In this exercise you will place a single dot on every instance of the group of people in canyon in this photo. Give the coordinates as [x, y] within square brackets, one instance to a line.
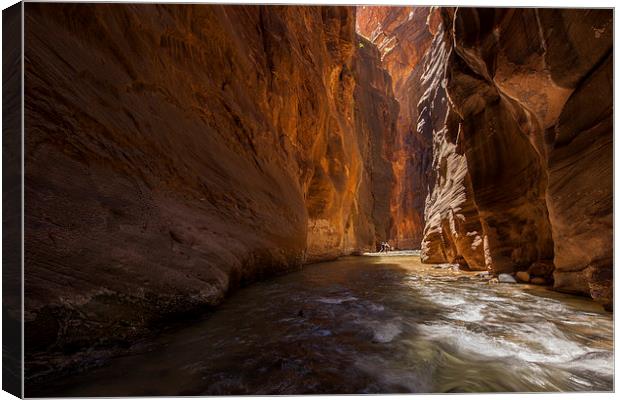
[385, 247]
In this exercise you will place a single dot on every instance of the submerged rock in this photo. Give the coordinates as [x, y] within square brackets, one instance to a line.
[170, 162]
[447, 266]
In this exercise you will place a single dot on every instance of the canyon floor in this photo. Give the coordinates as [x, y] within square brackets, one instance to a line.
[370, 324]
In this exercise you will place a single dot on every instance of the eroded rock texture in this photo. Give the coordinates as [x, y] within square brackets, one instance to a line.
[176, 151]
[376, 112]
[401, 35]
[452, 232]
[519, 102]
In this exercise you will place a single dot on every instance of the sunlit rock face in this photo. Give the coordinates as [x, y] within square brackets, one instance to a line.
[402, 37]
[452, 232]
[376, 112]
[519, 102]
[175, 152]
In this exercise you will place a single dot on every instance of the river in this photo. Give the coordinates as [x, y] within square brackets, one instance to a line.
[371, 325]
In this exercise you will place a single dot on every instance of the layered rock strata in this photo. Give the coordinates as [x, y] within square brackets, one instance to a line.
[176, 152]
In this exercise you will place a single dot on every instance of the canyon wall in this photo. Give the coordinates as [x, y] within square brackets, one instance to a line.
[174, 152]
[519, 105]
[452, 232]
[402, 38]
[376, 112]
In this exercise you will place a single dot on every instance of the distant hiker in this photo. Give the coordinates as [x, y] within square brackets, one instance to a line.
[387, 247]
[382, 247]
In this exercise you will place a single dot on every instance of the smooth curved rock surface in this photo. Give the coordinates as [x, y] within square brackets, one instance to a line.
[178, 151]
[522, 141]
[175, 152]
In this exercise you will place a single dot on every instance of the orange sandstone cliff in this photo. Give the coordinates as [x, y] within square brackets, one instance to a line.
[517, 106]
[175, 152]
[505, 128]
[530, 91]
[401, 35]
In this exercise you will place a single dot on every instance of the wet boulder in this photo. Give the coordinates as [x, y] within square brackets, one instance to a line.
[506, 278]
[523, 276]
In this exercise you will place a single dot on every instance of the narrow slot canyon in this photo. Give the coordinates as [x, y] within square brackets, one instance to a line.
[208, 188]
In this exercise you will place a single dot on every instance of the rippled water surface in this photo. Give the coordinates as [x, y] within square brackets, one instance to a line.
[372, 325]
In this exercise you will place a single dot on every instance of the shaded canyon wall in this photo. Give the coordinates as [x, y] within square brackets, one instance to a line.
[517, 105]
[175, 152]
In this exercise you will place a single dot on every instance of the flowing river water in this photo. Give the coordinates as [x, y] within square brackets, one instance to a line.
[372, 325]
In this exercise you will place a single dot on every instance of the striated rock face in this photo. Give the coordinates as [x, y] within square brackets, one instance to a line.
[376, 112]
[402, 37]
[175, 152]
[519, 102]
[453, 232]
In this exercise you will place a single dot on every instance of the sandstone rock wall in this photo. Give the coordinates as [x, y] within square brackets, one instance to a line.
[580, 169]
[401, 35]
[519, 103]
[452, 232]
[175, 152]
[376, 112]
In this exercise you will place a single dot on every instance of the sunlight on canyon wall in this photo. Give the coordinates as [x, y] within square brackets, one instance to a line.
[176, 152]
[400, 34]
